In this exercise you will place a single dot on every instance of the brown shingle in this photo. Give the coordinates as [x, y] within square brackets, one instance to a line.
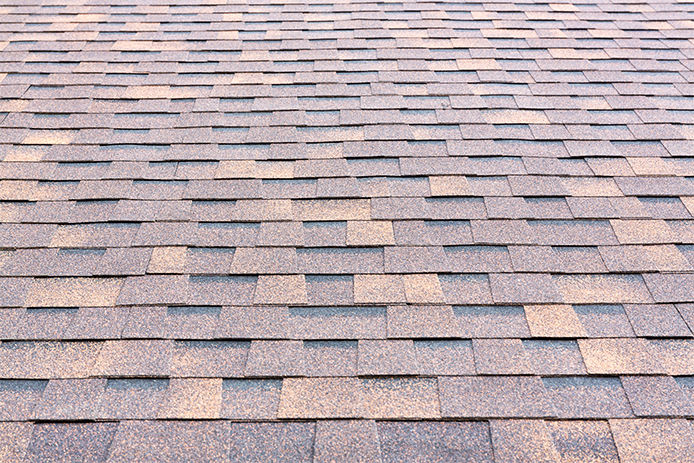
[264, 260]
[580, 441]
[209, 358]
[43, 360]
[369, 233]
[493, 396]
[422, 289]
[553, 321]
[523, 288]
[619, 356]
[192, 398]
[134, 358]
[500, 357]
[14, 440]
[654, 440]
[321, 397]
[71, 292]
[167, 440]
[587, 397]
[250, 399]
[401, 398]
[348, 441]
[656, 396]
[522, 440]
[332, 209]
[370, 289]
[280, 289]
[421, 321]
[387, 358]
[608, 289]
[220, 224]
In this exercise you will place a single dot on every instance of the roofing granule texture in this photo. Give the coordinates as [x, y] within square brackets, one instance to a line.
[292, 231]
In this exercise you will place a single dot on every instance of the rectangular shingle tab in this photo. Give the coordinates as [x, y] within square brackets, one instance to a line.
[493, 396]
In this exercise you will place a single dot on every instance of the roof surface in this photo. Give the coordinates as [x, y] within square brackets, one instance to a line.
[346, 231]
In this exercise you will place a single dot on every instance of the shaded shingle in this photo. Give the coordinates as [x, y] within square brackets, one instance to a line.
[444, 357]
[258, 442]
[348, 441]
[493, 396]
[167, 440]
[578, 441]
[71, 399]
[71, 441]
[522, 440]
[132, 398]
[465, 441]
[656, 396]
[587, 397]
[20, 398]
[250, 398]
[491, 321]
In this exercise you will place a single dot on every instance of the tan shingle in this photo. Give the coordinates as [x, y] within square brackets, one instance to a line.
[72, 292]
[375, 289]
[280, 289]
[193, 398]
[553, 321]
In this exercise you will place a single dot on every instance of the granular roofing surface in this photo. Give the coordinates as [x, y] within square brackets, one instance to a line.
[293, 231]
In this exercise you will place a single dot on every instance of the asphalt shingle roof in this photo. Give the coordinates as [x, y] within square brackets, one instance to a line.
[368, 231]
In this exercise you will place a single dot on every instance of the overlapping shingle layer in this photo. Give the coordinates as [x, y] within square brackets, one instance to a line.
[346, 231]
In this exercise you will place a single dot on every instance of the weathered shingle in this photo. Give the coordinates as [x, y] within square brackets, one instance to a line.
[286, 231]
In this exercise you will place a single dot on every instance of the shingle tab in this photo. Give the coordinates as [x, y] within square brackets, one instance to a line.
[348, 441]
[587, 397]
[167, 440]
[655, 440]
[578, 441]
[619, 356]
[464, 441]
[257, 442]
[493, 396]
[71, 441]
[656, 396]
[522, 440]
